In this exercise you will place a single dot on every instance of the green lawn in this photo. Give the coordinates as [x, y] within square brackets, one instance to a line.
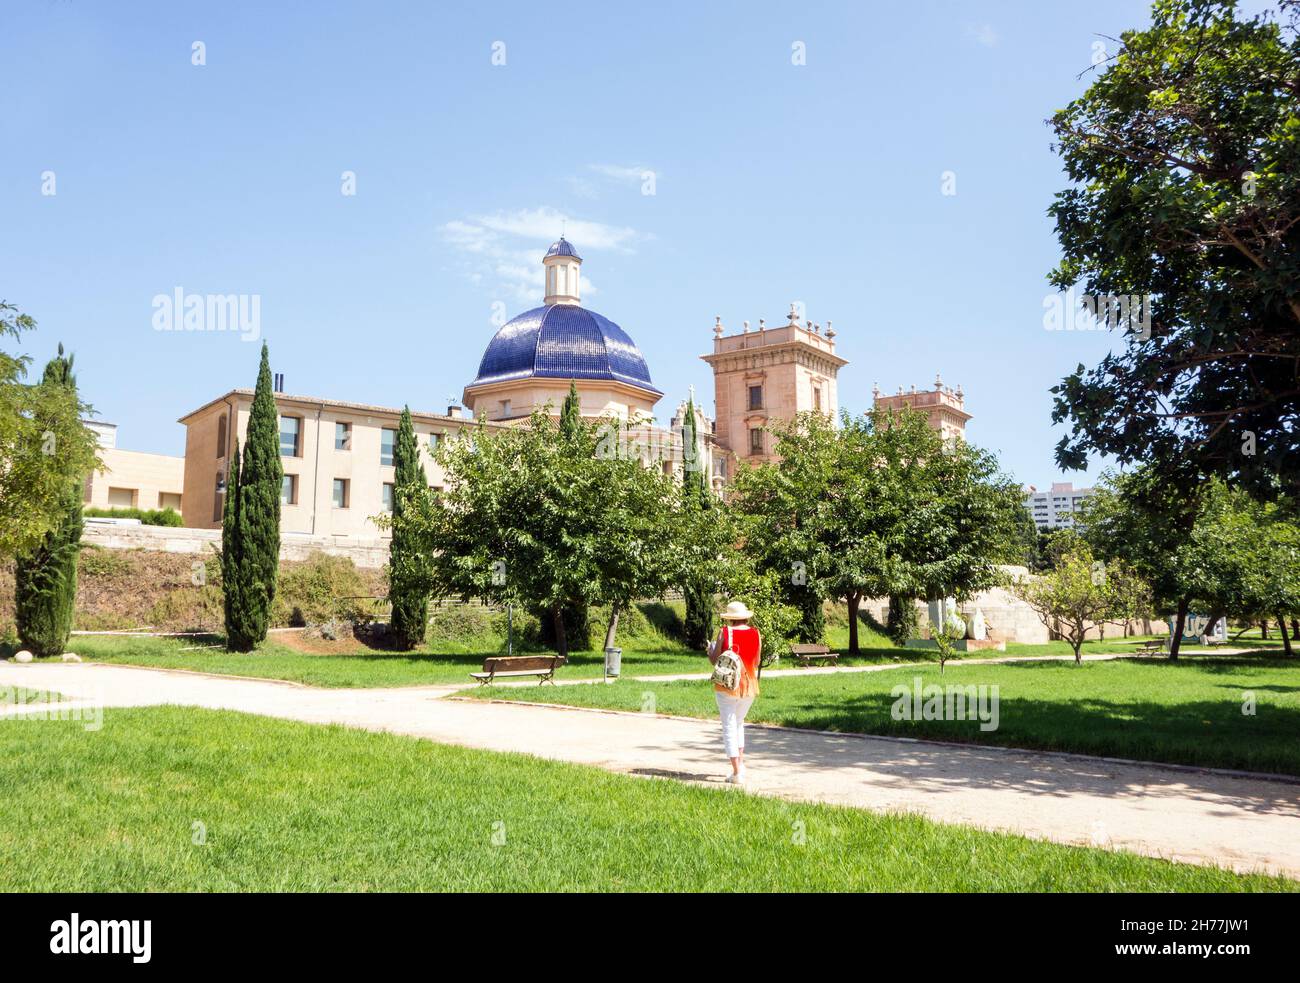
[173, 799]
[1187, 712]
[443, 662]
[369, 669]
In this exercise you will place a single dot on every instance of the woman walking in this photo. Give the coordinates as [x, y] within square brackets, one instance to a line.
[734, 655]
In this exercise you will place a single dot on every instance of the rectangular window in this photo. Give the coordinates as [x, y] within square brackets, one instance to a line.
[720, 467]
[289, 490]
[343, 436]
[755, 397]
[290, 436]
[121, 498]
[218, 497]
[434, 440]
[756, 441]
[340, 493]
[505, 409]
[387, 438]
[169, 500]
[387, 496]
[817, 398]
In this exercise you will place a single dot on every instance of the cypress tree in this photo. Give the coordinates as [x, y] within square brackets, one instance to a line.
[233, 582]
[696, 494]
[571, 415]
[407, 590]
[258, 525]
[45, 580]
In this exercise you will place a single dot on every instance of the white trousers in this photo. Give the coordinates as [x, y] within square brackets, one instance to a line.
[732, 709]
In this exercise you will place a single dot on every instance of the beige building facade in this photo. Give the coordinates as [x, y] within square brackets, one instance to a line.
[767, 376]
[132, 479]
[337, 458]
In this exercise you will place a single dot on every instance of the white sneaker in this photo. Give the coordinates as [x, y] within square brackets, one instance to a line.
[737, 778]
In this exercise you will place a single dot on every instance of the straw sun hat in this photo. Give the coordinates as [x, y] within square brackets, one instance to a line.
[737, 611]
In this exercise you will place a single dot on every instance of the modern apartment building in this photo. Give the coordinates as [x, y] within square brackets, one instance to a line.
[1058, 508]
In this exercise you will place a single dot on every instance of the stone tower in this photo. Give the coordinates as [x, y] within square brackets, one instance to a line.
[767, 376]
[943, 406]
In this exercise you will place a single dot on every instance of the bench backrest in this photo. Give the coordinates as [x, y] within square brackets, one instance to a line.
[810, 650]
[510, 663]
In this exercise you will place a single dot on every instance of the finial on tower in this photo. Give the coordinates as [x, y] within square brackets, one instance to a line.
[938, 381]
[717, 326]
[830, 332]
[794, 313]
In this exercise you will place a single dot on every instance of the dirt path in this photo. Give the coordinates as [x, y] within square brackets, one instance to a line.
[1203, 817]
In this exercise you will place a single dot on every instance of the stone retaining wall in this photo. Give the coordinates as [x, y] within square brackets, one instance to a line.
[372, 553]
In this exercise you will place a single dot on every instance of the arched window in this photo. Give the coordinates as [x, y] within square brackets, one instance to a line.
[221, 437]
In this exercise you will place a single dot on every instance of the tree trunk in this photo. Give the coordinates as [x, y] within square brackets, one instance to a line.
[1295, 628]
[854, 601]
[561, 643]
[1101, 631]
[1078, 647]
[1175, 639]
[1286, 638]
[1263, 629]
[612, 631]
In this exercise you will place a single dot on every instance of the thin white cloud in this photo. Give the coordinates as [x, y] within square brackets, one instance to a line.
[505, 249]
[984, 34]
[598, 176]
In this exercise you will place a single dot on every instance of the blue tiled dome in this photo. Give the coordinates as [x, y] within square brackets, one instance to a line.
[563, 248]
[563, 341]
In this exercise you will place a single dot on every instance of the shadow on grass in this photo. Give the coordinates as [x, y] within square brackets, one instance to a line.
[1206, 733]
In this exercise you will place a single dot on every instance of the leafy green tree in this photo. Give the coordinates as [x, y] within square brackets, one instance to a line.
[45, 580]
[256, 535]
[787, 521]
[1147, 521]
[408, 586]
[1073, 596]
[880, 505]
[43, 444]
[1185, 191]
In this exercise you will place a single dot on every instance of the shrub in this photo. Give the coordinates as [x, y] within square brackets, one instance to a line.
[319, 589]
[666, 617]
[148, 517]
[96, 561]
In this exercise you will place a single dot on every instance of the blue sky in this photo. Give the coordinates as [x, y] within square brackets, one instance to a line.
[774, 182]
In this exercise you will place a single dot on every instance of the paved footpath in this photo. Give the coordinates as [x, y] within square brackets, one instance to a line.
[1246, 823]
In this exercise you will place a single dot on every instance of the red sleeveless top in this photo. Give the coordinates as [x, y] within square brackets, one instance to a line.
[746, 643]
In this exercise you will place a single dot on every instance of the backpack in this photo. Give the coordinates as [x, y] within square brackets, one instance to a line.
[728, 668]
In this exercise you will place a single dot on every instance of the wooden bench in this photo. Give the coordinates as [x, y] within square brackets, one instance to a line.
[515, 666]
[805, 655]
[1151, 646]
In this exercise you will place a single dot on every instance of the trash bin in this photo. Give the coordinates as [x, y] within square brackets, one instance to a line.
[613, 661]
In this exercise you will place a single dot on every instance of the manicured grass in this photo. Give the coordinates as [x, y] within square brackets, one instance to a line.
[1187, 712]
[442, 663]
[369, 669]
[21, 696]
[167, 798]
